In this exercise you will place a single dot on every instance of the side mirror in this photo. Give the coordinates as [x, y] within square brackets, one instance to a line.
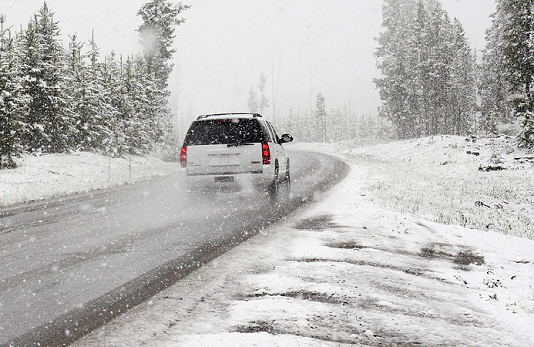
[286, 138]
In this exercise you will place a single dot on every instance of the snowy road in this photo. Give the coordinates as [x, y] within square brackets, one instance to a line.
[72, 264]
[347, 272]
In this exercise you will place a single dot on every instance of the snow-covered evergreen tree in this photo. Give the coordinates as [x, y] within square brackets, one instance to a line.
[290, 121]
[91, 124]
[335, 120]
[518, 57]
[111, 93]
[157, 114]
[102, 111]
[13, 103]
[79, 91]
[320, 118]
[393, 62]
[42, 69]
[252, 100]
[427, 84]
[157, 33]
[263, 102]
[461, 96]
[139, 127]
[160, 17]
[493, 86]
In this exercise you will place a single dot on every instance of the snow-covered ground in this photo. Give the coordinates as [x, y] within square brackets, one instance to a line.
[47, 176]
[485, 184]
[367, 263]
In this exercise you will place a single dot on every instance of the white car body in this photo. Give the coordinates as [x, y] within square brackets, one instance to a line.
[240, 150]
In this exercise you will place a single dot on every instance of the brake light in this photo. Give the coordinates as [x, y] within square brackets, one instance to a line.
[183, 156]
[265, 153]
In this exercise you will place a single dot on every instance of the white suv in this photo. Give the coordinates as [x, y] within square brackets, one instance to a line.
[237, 150]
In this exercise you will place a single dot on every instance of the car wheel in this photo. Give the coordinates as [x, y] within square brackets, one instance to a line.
[274, 187]
[287, 178]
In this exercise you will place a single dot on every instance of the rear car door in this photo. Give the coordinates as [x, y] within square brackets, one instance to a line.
[277, 149]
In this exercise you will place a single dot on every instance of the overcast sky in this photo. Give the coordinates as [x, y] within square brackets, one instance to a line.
[309, 46]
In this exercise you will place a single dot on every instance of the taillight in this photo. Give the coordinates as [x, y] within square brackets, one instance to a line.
[265, 153]
[183, 156]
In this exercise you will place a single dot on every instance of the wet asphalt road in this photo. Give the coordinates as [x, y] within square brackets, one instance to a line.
[72, 264]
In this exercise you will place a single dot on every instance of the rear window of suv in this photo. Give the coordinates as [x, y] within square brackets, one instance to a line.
[224, 131]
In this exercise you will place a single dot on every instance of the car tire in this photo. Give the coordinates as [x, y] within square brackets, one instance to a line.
[274, 187]
[287, 177]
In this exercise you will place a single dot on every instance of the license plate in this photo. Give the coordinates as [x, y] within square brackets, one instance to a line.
[225, 179]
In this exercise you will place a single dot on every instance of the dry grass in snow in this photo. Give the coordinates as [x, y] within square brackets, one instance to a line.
[453, 180]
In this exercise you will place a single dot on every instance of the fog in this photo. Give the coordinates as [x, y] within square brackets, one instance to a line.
[303, 47]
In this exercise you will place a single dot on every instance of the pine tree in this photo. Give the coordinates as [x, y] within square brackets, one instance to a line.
[137, 111]
[493, 86]
[12, 101]
[290, 123]
[78, 91]
[160, 18]
[320, 114]
[252, 100]
[461, 99]
[157, 113]
[518, 53]
[439, 118]
[417, 75]
[103, 112]
[335, 128]
[427, 85]
[91, 126]
[112, 95]
[264, 102]
[42, 58]
[392, 60]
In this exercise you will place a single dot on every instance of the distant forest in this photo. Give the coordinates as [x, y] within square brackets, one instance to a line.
[55, 100]
[433, 83]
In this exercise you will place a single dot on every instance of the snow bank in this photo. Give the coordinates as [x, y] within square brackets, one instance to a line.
[46, 176]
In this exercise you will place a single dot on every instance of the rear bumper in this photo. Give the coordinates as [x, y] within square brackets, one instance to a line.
[227, 181]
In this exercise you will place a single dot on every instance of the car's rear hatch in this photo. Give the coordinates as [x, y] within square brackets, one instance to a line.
[224, 147]
[224, 159]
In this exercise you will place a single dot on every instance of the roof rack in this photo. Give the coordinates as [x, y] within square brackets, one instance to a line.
[204, 116]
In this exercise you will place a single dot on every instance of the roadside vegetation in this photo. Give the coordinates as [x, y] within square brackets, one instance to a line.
[485, 184]
[56, 99]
